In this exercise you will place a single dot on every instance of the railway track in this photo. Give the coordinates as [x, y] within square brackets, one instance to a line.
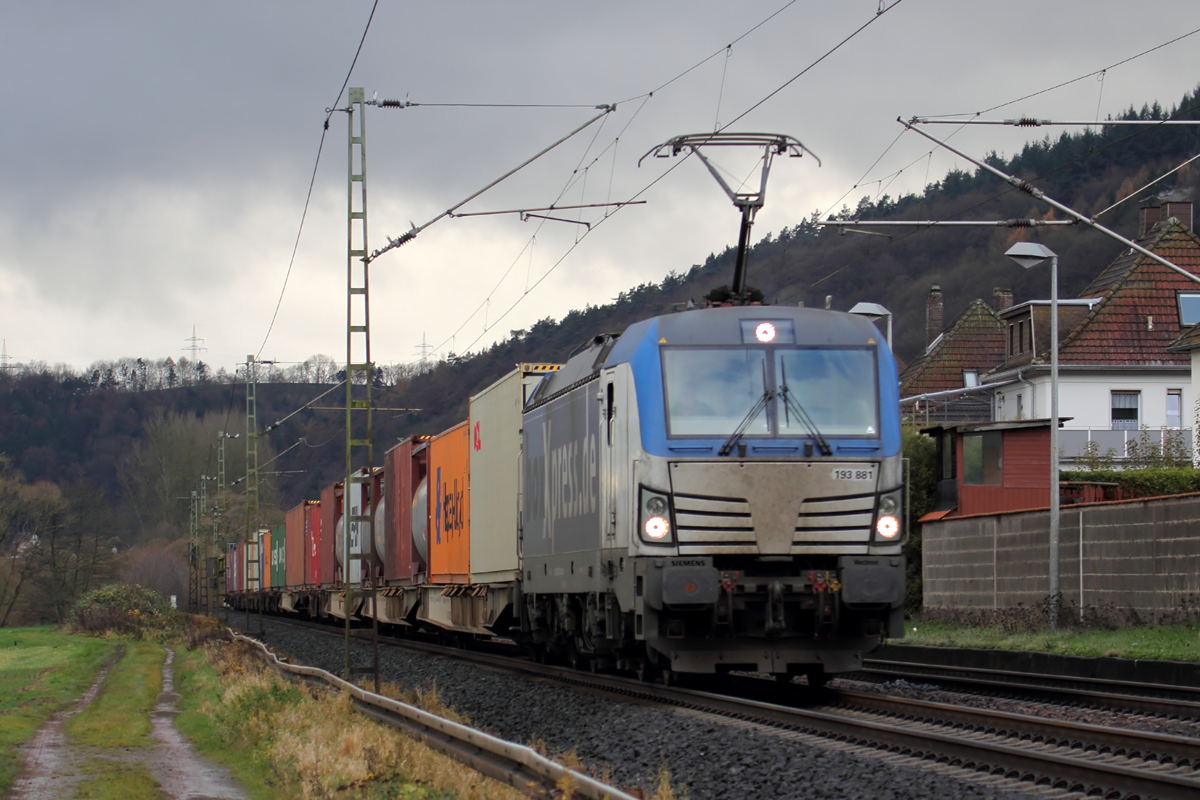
[1059, 757]
[1171, 702]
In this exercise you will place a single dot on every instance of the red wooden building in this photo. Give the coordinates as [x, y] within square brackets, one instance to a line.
[991, 467]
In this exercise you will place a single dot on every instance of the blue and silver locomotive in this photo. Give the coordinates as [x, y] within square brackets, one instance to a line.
[718, 489]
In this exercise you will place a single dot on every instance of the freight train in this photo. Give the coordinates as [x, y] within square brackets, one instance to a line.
[711, 490]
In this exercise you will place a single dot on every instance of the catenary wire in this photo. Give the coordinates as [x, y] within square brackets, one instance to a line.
[313, 178]
[976, 114]
[704, 61]
[674, 166]
[1073, 80]
[1006, 191]
[645, 97]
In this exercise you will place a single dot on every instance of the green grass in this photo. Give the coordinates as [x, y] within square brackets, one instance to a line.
[115, 781]
[1163, 642]
[41, 671]
[214, 735]
[120, 716]
[235, 717]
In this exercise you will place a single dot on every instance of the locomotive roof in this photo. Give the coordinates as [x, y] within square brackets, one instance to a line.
[718, 326]
[703, 326]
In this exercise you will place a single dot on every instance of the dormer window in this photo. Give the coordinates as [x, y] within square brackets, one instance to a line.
[1189, 308]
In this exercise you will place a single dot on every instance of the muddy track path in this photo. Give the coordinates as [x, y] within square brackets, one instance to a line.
[54, 766]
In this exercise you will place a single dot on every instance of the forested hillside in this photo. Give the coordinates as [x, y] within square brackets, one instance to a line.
[133, 437]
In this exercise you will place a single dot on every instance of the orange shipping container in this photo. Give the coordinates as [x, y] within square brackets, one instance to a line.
[264, 558]
[294, 535]
[450, 506]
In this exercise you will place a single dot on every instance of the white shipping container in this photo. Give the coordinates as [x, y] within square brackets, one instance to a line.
[495, 417]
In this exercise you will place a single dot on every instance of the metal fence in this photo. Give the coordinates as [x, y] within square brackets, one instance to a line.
[1073, 443]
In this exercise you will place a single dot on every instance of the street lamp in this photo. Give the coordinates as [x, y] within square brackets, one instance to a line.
[1028, 255]
[875, 312]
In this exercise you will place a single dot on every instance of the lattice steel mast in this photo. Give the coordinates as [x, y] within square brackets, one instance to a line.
[193, 555]
[253, 541]
[358, 362]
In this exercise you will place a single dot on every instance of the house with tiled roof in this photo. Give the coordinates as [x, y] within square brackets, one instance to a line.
[943, 383]
[1122, 373]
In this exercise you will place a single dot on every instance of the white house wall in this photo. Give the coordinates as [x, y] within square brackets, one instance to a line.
[1086, 398]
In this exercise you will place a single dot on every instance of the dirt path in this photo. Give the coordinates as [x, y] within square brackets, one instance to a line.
[53, 767]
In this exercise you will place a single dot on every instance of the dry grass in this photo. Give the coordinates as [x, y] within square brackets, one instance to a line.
[323, 749]
[662, 789]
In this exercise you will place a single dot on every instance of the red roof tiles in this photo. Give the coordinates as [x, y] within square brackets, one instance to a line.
[1138, 315]
[975, 340]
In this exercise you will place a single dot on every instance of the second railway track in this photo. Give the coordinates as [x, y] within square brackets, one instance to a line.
[1172, 702]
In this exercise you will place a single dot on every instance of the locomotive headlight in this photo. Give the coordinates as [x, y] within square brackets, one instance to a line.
[656, 528]
[888, 527]
[654, 517]
[887, 516]
[764, 332]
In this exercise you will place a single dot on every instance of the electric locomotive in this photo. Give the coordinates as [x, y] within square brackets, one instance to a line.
[718, 489]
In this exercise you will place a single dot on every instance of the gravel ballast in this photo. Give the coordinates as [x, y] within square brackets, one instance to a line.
[709, 757]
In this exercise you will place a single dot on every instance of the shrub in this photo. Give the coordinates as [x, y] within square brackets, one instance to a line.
[1137, 483]
[121, 608]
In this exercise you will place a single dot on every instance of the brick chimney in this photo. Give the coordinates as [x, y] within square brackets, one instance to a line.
[1162, 207]
[1001, 299]
[934, 315]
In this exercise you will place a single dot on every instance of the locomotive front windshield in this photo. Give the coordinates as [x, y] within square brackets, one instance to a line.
[711, 390]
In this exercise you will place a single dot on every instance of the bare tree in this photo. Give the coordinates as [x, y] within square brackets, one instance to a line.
[162, 469]
[75, 554]
[28, 514]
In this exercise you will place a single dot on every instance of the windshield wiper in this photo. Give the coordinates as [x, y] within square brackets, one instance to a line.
[791, 405]
[751, 415]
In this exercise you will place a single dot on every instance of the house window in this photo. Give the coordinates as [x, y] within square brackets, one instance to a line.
[1021, 336]
[982, 459]
[1125, 411]
[1012, 339]
[970, 378]
[1174, 407]
[1189, 308]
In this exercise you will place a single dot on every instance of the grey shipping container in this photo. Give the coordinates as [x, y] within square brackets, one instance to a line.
[495, 418]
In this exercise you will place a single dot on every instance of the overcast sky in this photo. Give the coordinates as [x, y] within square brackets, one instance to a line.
[154, 157]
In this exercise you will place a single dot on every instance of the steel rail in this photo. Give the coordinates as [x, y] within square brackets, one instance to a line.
[1014, 761]
[514, 764]
[1102, 693]
[1177, 748]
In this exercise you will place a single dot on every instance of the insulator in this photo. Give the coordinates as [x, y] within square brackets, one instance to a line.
[386, 103]
[1028, 122]
[1026, 187]
[1021, 223]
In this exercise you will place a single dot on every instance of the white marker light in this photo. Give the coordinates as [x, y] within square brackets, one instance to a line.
[657, 527]
[888, 527]
[765, 332]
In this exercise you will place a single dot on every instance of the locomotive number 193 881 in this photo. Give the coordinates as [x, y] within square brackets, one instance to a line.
[854, 474]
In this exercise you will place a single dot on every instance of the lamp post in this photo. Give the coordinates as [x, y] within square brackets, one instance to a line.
[1028, 255]
[875, 312]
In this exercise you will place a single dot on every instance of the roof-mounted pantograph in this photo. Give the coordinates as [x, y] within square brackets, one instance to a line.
[773, 144]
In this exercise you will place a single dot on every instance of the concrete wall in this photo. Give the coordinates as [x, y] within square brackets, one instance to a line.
[1141, 554]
